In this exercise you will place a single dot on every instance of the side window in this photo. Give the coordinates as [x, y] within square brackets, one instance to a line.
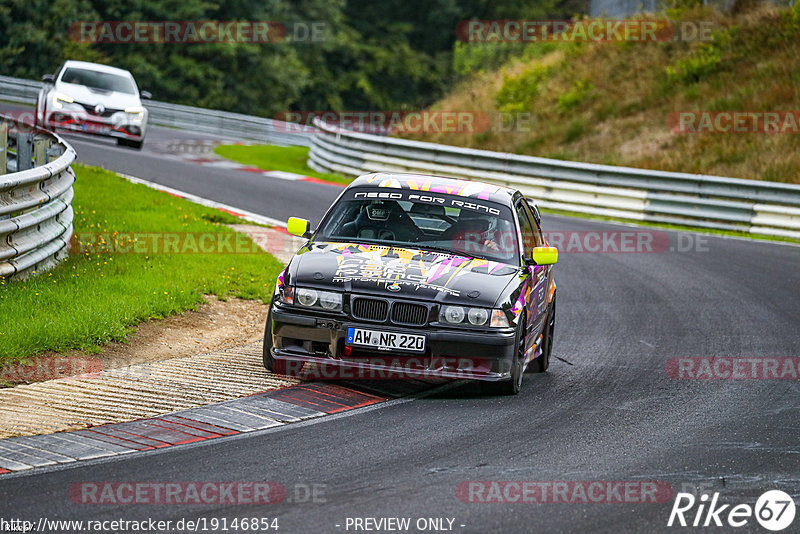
[528, 238]
[537, 231]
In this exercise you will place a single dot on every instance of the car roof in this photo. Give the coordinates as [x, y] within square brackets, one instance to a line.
[96, 67]
[436, 184]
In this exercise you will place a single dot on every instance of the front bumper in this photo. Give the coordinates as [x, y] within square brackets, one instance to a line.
[299, 337]
[95, 125]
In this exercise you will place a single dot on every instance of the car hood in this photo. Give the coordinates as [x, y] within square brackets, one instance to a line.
[401, 272]
[92, 97]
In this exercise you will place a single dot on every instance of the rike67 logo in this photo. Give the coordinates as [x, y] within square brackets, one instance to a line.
[774, 510]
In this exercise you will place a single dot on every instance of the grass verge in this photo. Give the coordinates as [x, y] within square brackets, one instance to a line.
[277, 158]
[620, 103]
[97, 297]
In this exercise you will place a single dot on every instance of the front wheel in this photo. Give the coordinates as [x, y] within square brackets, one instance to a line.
[540, 364]
[513, 385]
[271, 364]
[128, 142]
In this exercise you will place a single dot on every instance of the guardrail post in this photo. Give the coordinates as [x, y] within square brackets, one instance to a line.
[3, 147]
[53, 152]
[24, 151]
[39, 152]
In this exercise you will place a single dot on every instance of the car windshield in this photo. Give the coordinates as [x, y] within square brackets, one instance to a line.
[104, 81]
[440, 222]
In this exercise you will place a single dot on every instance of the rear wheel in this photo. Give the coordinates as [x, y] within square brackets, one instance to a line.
[540, 364]
[271, 364]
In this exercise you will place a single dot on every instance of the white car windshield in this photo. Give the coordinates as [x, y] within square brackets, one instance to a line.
[103, 81]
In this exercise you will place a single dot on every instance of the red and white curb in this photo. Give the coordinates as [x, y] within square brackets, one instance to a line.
[272, 408]
[202, 153]
[231, 210]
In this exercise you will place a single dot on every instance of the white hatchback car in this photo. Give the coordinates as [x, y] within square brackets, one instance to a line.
[94, 99]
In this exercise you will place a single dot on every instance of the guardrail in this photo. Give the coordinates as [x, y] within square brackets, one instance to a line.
[695, 200]
[35, 199]
[222, 123]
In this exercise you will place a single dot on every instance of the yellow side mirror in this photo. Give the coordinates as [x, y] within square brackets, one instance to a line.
[545, 255]
[298, 227]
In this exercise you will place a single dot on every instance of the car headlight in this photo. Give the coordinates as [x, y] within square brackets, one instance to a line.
[312, 298]
[477, 316]
[307, 297]
[330, 301]
[499, 319]
[473, 316]
[136, 112]
[452, 314]
[59, 97]
[286, 294]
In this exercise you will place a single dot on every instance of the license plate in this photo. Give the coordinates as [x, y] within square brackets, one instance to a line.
[385, 340]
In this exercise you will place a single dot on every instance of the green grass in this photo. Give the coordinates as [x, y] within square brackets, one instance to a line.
[617, 102]
[94, 298]
[277, 158]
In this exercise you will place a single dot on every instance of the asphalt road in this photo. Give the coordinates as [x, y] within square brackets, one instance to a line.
[606, 411]
[157, 161]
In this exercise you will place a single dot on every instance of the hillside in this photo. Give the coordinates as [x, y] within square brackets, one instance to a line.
[615, 103]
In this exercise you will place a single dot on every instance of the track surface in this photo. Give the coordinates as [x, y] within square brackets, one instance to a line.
[612, 413]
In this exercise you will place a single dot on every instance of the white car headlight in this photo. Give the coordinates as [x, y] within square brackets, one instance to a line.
[478, 316]
[452, 314]
[307, 297]
[312, 298]
[473, 316]
[137, 112]
[330, 301]
[60, 98]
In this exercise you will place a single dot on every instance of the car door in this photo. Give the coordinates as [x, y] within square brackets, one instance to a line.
[529, 241]
[543, 275]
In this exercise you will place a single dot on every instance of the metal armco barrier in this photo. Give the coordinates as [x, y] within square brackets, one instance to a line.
[35, 199]
[222, 123]
[695, 200]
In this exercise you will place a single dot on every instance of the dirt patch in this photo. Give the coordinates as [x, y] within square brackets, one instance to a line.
[213, 326]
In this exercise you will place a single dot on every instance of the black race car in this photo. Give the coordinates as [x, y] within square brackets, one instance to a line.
[421, 276]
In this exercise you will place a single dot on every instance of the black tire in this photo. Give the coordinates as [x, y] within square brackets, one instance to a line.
[271, 364]
[127, 142]
[514, 384]
[541, 364]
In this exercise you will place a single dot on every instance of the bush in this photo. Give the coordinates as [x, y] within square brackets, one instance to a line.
[518, 93]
